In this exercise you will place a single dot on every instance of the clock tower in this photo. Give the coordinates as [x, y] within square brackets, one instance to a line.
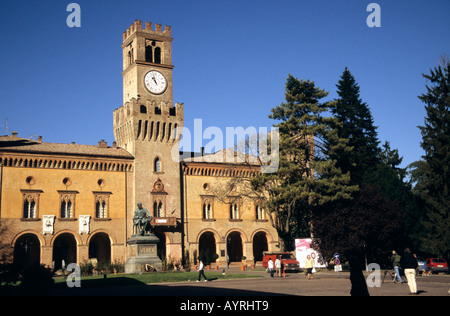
[147, 126]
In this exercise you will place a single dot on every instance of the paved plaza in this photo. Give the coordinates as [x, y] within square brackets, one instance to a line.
[294, 284]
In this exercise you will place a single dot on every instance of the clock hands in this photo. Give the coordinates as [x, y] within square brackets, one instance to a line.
[155, 82]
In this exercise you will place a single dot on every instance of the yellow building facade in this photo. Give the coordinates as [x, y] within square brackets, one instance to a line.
[70, 203]
[222, 216]
[64, 203]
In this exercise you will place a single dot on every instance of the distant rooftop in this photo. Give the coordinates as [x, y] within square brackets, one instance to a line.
[17, 144]
[229, 156]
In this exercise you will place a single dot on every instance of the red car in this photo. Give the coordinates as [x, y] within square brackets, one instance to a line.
[437, 265]
[287, 259]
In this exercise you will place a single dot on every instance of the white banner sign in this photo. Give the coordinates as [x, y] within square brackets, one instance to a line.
[303, 249]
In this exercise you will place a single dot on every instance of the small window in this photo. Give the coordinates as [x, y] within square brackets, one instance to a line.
[66, 209]
[234, 214]
[157, 165]
[143, 109]
[157, 110]
[259, 213]
[157, 55]
[157, 209]
[67, 182]
[30, 206]
[172, 111]
[148, 54]
[101, 204]
[67, 204]
[207, 214]
[29, 209]
[30, 180]
[101, 209]
[101, 183]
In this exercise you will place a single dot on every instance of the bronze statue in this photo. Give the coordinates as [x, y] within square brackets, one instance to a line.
[141, 220]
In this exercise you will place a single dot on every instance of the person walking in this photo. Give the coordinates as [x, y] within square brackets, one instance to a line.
[409, 265]
[395, 260]
[201, 271]
[278, 266]
[270, 267]
[309, 266]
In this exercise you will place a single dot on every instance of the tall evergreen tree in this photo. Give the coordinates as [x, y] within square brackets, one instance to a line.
[356, 125]
[391, 158]
[435, 169]
[306, 176]
[375, 171]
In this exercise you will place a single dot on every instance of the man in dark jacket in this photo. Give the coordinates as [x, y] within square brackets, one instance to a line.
[395, 260]
[409, 265]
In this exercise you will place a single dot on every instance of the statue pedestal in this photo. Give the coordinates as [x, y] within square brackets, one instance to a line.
[143, 256]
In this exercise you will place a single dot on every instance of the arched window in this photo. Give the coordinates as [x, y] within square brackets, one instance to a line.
[102, 204]
[148, 54]
[157, 55]
[234, 214]
[29, 209]
[100, 209]
[207, 214]
[259, 213]
[143, 109]
[157, 209]
[158, 167]
[66, 209]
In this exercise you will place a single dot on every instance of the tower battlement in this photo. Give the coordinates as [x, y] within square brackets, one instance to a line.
[137, 27]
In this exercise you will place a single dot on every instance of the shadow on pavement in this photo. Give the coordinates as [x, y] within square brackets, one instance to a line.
[136, 288]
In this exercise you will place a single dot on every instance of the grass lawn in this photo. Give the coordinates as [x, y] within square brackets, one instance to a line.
[147, 278]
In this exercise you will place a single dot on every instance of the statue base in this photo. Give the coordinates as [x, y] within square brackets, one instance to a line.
[143, 254]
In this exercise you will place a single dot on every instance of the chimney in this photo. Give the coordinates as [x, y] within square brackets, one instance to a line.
[102, 144]
[14, 134]
[39, 139]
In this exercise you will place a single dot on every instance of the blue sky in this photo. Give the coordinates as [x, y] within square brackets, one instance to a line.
[231, 61]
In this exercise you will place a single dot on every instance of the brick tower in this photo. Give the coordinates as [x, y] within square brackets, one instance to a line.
[146, 125]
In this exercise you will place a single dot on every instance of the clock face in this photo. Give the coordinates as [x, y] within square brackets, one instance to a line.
[155, 82]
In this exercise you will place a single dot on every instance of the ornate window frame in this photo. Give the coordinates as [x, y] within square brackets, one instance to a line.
[207, 203]
[28, 198]
[101, 205]
[235, 205]
[158, 195]
[67, 204]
